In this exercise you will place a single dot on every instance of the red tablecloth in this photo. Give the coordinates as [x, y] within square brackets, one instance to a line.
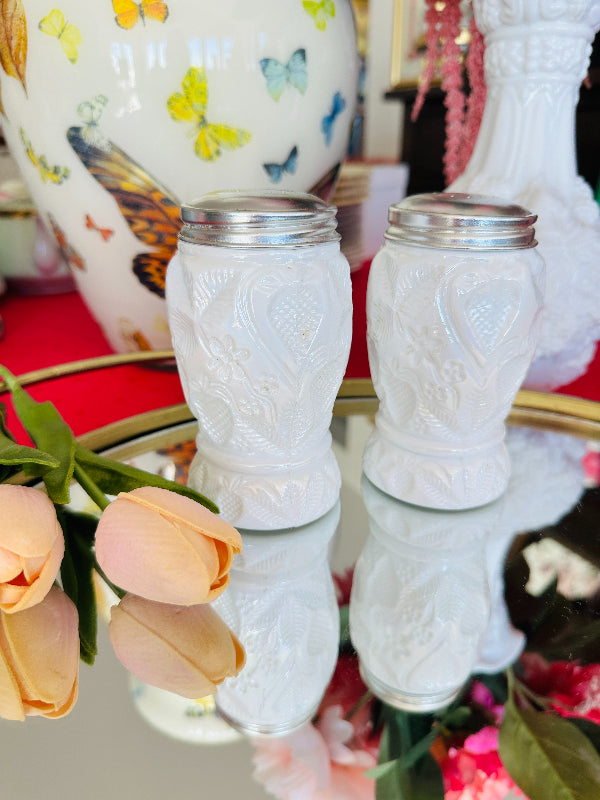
[42, 331]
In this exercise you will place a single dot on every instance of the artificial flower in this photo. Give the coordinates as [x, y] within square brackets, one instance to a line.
[325, 759]
[573, 688]
[475, 771]
[31, 547]
[314, 763]
[347, 691]
[165, 547]
[187, 650]
[39, 659]
[549, 561]
[463, 115]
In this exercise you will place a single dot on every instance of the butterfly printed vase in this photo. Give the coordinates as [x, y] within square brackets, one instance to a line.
[453, 306]
[119, 111]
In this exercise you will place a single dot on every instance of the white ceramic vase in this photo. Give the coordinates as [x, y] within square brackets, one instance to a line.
[117, 113]
[536, 56]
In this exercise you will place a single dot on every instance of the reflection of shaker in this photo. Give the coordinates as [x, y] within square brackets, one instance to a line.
[420, 601]
[452, 307]
[281, 604]
[260, 304]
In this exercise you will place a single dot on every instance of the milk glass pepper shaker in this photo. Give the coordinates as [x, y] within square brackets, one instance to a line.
[453, 304]
[260, 311]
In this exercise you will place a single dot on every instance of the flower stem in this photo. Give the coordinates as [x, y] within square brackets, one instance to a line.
[88, 485]
[112, 586]
[543, 702]
[358, 705]
[8, 378]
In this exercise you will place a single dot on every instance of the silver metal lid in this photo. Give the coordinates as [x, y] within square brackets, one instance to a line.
[461, 221]
[258, 219]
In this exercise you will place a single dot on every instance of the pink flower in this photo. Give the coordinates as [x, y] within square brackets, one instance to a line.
[591, 466]
[575, 688]
[39, 659]
[187, 650]
[314, 763]
[325, 760]
[345, 690]
[31, 547]
[481, 695]
[165, 547]
[293, 767]
[475, 772]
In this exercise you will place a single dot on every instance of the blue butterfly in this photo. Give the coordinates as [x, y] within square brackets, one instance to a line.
[275, 171]
[278, 75]
[337, 106]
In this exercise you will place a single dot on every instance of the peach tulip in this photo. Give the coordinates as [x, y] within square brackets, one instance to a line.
[187, 650]
[165, 547]
[31, 547]
[39, 659]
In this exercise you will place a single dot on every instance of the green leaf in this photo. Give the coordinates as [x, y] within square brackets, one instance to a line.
[345, 641]
[382, 769]
[68, 576]
[16, 456]
[77, 577]
[547, 756]
[113, 477]
[406, 769]
[589, 728]
[420, 731]
[50, 433]
[428, 782]
[391, 785]
[84, 524]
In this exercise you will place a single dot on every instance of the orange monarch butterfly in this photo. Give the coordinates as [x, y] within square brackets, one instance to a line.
[150, 209]
[129, 12]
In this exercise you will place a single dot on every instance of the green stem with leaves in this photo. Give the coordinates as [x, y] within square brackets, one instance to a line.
[91, 488]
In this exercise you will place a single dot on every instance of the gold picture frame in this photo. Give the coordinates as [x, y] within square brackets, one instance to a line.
[408, 43]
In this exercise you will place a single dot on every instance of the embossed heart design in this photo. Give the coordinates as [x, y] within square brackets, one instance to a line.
[295, 314]
[490, 310]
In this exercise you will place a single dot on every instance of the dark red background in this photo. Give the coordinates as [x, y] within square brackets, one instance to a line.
[42, 331]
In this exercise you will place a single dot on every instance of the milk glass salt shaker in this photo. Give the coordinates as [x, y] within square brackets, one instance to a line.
[260, 311]
[453, 304]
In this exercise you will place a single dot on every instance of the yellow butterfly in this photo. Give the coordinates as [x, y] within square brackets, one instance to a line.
[47, 173]
[129, 12]
[319, 11]
[68, 35]
[191, 107]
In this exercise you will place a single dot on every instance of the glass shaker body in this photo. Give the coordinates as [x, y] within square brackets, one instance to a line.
[261, 333]
[452, 325]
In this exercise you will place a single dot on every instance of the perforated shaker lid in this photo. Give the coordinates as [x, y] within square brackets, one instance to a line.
[258, 219]
[463, 221]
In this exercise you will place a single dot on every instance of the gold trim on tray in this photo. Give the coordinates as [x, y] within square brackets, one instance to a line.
[560, 413]
[563, 413]
[89, 364]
